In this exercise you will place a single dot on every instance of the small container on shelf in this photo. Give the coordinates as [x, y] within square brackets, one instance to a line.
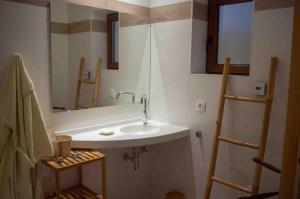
[61, 144]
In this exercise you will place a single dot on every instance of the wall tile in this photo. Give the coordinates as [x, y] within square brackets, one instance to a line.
[173, 97]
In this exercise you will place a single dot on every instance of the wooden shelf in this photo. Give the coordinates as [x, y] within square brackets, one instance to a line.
[86, 156]
[78, 158]
[78, 192]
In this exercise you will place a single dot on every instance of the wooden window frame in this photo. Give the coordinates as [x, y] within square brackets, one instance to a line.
[212, 65]
[110, 19]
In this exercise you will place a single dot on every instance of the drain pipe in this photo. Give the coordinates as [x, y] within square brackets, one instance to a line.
[134, 156]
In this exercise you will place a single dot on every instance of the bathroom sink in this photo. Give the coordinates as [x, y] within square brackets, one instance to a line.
[125, 133]
[139, 129]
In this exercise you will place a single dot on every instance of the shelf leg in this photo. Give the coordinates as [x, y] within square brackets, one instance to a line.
[103, 167]
[80, 175]
[57, 183]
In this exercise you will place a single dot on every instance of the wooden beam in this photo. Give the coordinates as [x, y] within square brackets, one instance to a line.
[288, 181]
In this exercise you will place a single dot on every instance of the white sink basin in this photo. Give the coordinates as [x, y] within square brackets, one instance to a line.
[140, 129]
[125, 134]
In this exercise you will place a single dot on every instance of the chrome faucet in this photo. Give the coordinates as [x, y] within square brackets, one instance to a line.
[126, 93]
[146, 117]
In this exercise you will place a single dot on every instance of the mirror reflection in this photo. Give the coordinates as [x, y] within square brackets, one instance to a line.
[99, 57]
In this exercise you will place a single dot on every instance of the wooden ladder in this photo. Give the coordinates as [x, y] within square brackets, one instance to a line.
[267, 101]
[81, 81]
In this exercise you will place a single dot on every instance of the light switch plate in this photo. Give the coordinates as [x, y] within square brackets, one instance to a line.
[201, 106]
[260, 88]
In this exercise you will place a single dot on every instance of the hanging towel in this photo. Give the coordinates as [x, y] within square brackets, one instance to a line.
[23, 135]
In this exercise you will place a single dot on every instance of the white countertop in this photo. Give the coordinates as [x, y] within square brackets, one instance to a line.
[127, 133]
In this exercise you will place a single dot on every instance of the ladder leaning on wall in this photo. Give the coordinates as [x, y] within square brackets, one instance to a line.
[81, 81]
[267, 101]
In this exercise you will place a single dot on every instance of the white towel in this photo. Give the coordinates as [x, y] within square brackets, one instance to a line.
[23, 135]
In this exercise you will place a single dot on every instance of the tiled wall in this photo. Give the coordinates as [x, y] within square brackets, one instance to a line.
[180, 165]
[27, 32]
[178, 45]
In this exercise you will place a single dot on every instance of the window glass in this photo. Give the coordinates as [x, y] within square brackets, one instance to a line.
[115, 41]
[235, 29]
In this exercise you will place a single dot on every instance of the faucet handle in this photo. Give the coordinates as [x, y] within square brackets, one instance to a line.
[143, 98]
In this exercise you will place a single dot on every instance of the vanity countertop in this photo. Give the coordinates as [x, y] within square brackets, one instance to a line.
[127, 133]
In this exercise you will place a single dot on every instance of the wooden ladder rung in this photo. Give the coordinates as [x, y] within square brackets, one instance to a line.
[88, 81]
[79, 106]
[232, 185]
[81, 81]
[267, 100]
[238, 142]
[246, 99]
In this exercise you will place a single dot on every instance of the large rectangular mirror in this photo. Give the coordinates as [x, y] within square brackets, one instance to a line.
[99, 57]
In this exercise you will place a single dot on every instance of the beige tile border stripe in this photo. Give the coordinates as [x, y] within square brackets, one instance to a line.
[200, 11]
[173, 12]
[273, 4]
[78, 27]
[179, 11]
[133, 20]
[98, 26]
[59, 28]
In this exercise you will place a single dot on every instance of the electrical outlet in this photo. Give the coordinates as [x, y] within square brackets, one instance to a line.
[201, 106]
[87, 75]
[112, 93]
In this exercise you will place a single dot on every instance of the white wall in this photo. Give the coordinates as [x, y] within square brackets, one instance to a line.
[173, 94]
[170, 100]
[174, 91]
[27, 34]
[59, 63]
[134, 66]
[198, 56]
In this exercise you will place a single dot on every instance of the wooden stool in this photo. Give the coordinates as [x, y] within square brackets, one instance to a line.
[175, 195]
[84, 157]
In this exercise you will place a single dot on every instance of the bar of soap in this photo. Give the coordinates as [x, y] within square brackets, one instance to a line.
[106, 132]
